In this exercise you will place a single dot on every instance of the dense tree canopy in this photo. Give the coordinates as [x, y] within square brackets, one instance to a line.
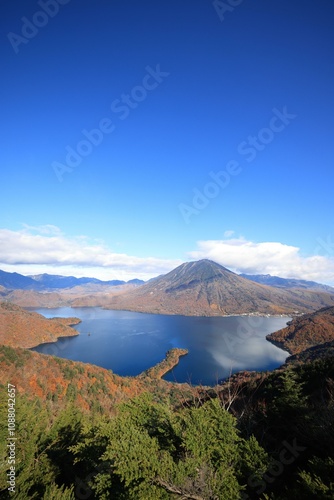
[276, 440]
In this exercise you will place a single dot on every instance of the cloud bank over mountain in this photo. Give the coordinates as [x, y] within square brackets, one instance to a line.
[47, 249]
[275, 258]
[34, 250]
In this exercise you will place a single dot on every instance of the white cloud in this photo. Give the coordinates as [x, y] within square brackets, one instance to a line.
[273, 258]
[45, 249]
[228, 234]
[34, 250]
[46, 229]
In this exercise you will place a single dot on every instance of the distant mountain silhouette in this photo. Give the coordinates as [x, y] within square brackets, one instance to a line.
[202, 288]
[207, 288]
[40, 282]
[55, 281]
[267, 279]
[17, 281]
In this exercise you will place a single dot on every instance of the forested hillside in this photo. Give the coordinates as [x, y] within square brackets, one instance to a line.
[20, 328]
[266, 435]
[71, 430]
[306, 331]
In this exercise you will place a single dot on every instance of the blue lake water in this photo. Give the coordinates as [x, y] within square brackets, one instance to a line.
[128, 343]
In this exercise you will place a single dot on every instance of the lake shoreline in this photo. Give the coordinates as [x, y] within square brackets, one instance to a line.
[133, 344]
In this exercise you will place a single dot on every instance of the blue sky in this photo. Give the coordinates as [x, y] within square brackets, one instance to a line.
[212, 136]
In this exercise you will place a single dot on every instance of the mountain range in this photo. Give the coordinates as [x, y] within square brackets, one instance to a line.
[267, 279]
[40, 282]
[201, 288]
[45, 281]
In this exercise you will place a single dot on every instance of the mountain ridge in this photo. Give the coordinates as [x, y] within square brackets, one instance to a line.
[205, 288]
[195, 288]
[25, 329]
[45, 281]
[277, 281]
[306, 332]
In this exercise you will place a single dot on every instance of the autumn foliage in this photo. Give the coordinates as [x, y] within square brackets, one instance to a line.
[20, 328]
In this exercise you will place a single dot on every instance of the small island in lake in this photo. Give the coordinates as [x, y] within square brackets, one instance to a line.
[172, 359]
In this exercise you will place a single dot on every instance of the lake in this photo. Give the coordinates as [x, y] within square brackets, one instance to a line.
[128, 343]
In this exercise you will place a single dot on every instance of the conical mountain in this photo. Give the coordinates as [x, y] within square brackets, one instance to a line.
[205, 288]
